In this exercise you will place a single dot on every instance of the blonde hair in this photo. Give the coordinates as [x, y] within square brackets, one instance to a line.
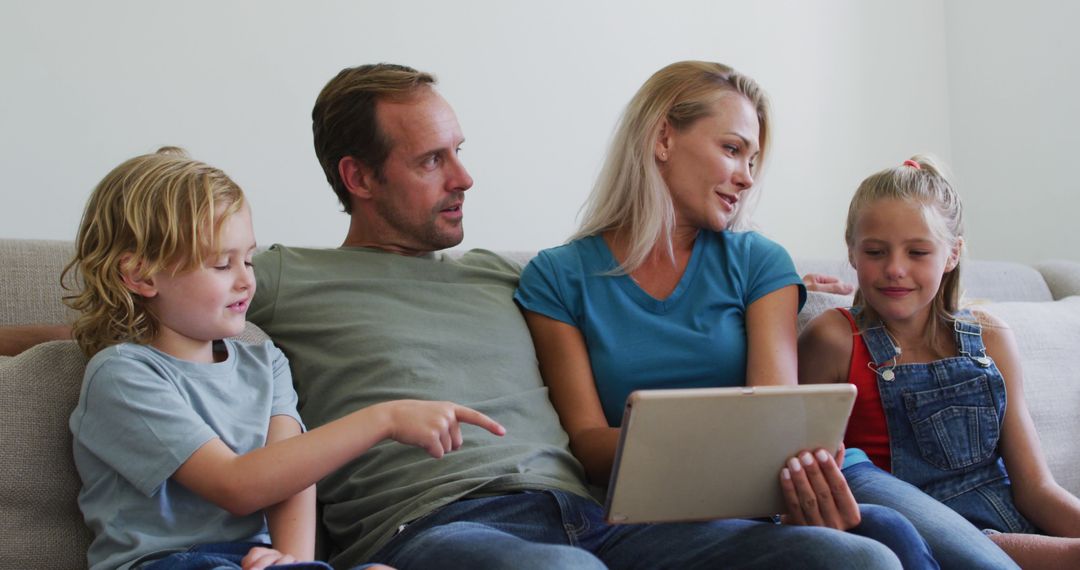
[154, 212]
[929, 186]
[630, 195]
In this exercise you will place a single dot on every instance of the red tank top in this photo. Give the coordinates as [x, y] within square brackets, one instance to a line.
[866, 428]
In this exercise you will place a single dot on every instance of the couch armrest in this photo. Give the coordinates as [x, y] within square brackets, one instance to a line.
[40, 523]
[1063, 277]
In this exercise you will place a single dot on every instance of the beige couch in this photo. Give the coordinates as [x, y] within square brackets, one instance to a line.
[40, 524]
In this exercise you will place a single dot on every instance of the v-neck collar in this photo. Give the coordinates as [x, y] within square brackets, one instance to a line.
[631, 288]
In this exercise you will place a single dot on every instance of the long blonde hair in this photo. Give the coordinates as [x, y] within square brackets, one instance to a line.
[153, 213]
[630, 194]
[929, 186]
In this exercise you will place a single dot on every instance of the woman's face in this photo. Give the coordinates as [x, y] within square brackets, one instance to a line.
[707, 165]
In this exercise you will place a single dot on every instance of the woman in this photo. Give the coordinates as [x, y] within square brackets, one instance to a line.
[656, 290]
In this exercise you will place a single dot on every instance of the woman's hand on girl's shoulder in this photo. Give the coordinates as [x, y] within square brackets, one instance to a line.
[825, 349]
[827, 284]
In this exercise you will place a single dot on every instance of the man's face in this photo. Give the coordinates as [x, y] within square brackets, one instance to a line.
[418, 200]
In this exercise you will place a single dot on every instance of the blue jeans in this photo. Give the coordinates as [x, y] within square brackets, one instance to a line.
[955, 542]
[553, 529]
[222, 556]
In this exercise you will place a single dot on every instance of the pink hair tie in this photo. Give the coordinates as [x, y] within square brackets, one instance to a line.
[912, 164]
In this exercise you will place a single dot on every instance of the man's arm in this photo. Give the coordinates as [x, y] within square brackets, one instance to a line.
[15, 339]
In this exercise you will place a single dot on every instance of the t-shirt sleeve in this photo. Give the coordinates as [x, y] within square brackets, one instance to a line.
[285, 399]
[769, 268]
[539, 290]
[138, 423]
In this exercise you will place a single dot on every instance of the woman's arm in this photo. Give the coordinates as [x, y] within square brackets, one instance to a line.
[815, 490]
[770, 339]
[1037, 495]
[292, 521]
[564, 364]
[243, 484]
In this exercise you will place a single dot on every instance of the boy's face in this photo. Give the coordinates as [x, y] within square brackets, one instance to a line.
[210, 302]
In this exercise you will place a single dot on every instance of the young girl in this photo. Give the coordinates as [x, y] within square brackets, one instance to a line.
[933, 378]
[181, 438]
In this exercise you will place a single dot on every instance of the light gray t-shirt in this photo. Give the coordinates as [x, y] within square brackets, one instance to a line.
[361, 326]
[141, 414]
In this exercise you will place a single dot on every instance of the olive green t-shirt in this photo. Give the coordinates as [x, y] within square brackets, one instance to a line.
[362, 326]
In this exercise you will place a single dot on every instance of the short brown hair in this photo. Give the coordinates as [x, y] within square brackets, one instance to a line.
[344, 121]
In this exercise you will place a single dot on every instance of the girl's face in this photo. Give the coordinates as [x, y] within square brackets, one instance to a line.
[899, 261]
[209, 302]
[707, 165]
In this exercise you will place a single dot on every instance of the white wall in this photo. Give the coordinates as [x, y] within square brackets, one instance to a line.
[1014, 71]
[537, 87]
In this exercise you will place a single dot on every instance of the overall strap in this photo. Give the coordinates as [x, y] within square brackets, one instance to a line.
[881, 347]
[969, 340]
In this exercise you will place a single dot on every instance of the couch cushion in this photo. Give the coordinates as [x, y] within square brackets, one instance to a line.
[40, 523]
[1048, 335]
[1063, 277]
[30, 291]
[1003, 281]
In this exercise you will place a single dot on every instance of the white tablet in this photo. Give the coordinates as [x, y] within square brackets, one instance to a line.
[700, 454]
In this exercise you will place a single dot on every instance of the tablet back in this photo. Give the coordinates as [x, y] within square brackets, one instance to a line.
[709, 453]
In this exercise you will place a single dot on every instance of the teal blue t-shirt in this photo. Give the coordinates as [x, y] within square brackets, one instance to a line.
[694, 338]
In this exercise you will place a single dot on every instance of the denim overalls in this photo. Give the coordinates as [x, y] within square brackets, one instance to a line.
[944, 420]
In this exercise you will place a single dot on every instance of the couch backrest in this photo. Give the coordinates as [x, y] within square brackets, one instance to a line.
[980, 280]
[30, 290]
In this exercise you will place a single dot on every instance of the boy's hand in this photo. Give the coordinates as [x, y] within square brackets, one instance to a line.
[434, 426]
[261, 557]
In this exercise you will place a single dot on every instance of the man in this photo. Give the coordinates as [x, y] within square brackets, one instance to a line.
[383, 317]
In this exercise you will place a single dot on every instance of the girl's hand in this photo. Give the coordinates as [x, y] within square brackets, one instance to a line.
[816, 493]
[261, 557]
[434, 426]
